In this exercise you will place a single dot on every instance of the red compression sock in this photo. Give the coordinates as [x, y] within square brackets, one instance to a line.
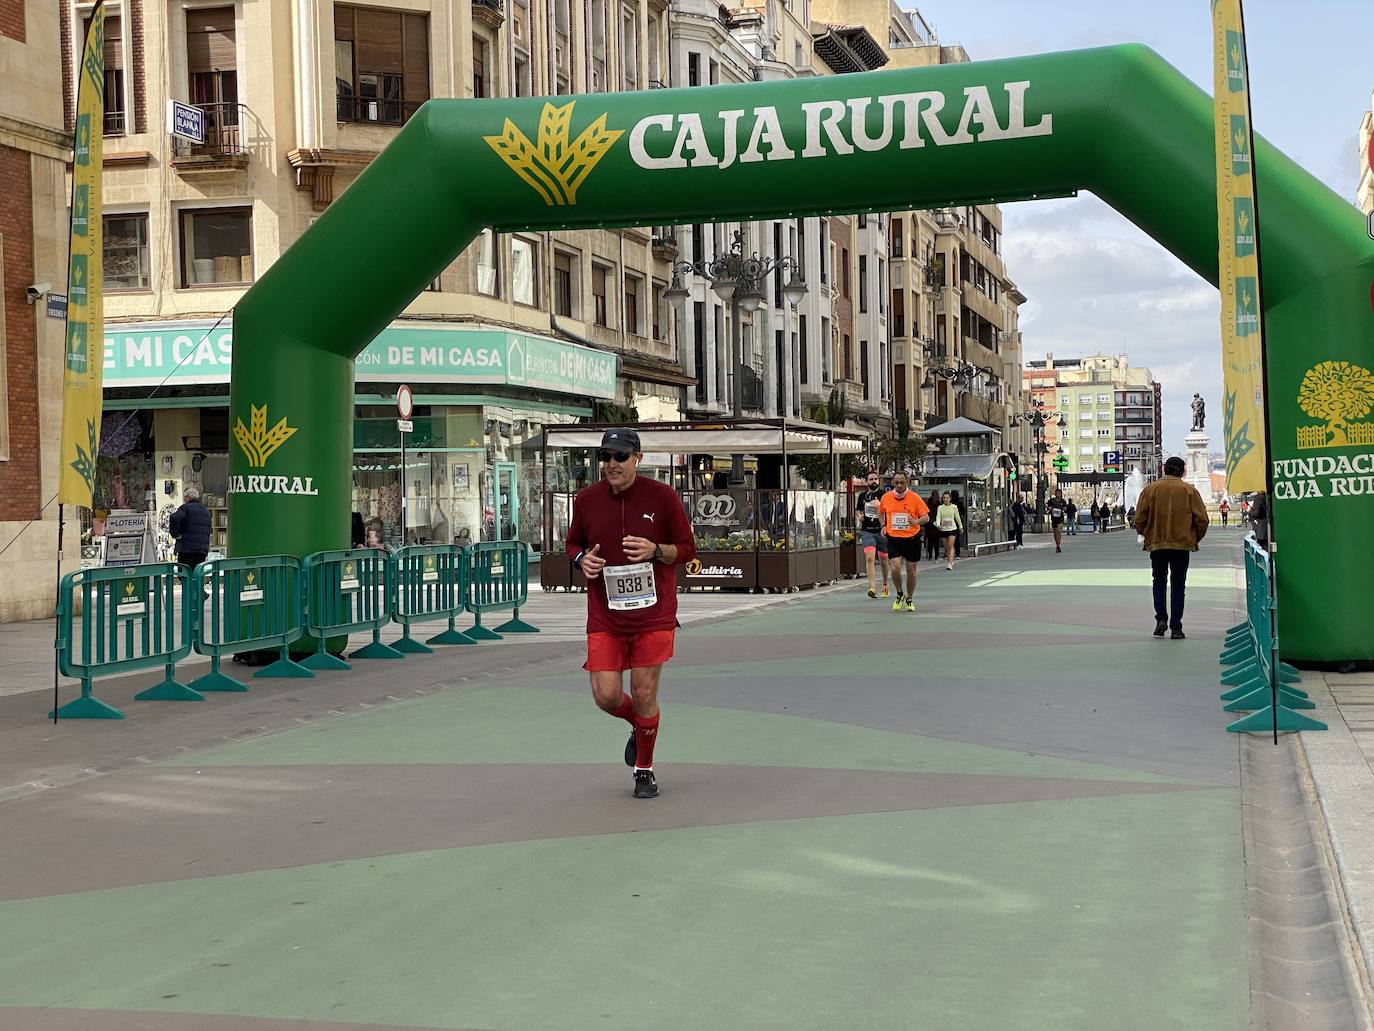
[625, 710]
[646, 733]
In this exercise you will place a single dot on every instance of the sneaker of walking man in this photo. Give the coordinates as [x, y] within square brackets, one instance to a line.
[1172, 519]
[871, 532]
[628, 532]
[903, 513]
[1059, 510]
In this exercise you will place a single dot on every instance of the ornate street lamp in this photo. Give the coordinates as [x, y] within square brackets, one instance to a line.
[1038, 418]
[738, 278]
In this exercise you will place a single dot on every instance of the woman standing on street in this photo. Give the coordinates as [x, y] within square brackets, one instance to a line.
[950, 523]
[932, 539]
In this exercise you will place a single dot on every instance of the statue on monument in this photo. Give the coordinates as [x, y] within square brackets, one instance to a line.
[1199, 412]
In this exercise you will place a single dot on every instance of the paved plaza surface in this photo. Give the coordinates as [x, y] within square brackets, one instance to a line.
[1012, 809]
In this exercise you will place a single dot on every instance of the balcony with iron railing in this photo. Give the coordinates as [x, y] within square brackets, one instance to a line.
[376, 110]
[225, 147]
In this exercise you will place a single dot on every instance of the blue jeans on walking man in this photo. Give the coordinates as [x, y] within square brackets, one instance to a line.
[1170, 569]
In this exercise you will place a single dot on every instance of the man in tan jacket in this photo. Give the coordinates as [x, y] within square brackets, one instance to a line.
[1171, 517]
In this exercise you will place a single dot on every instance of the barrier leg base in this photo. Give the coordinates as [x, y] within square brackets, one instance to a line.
[376, 650]
[411, 646]
[86, 708]
[1240, 674]
[217, 681]
[323, 660]
[1262, 721]
[1261, 696]
[1291, 671]
[1242, 653]
[451, 636]
[169, 691]
[481, 633]
[284, 669]
[516, 626]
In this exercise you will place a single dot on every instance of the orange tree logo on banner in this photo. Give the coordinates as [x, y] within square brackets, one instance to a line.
[83, 356]
[1241, 324]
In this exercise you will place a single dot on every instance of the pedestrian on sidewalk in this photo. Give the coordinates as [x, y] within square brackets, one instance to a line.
[1259, 519]
[1173, 519]
[903, 514]
[932, 540]
[1019, 514]
[949, 523]
[190, 525]
[958, 503]
[1070, 515]
[629, 532]
[871, 532]
[1225, 509]
[1058, 508]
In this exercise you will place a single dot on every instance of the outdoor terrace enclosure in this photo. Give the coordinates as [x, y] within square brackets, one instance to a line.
[1117, 121]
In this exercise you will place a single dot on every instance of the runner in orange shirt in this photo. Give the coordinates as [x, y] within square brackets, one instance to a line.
[903, 514]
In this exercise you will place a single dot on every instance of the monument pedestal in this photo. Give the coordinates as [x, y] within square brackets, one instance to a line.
[1199, 466]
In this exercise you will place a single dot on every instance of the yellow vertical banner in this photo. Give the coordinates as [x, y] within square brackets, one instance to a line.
[1242, 325]
[84, 350]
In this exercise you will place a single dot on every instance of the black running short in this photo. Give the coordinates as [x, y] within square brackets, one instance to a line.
[908, 548]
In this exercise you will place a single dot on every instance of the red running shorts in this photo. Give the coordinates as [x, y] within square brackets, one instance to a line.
[615, 653]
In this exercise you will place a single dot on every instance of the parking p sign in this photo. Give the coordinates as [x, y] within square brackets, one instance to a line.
[185, 121]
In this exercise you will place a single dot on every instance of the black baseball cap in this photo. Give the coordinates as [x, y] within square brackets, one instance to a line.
[621, 440]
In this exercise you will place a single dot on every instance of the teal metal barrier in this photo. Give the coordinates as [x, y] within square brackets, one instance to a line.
[131, 619]
[431, 583]
[1265, 687]
[347, 592]
[246, 604]
[498, 579]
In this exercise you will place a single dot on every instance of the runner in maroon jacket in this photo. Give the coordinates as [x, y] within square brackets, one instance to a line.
[628, 533]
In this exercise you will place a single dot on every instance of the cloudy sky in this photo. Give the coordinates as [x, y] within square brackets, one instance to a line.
[1095, 281]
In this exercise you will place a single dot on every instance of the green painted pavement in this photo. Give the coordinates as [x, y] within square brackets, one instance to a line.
[820, 620]
[1125, 913]
[1120, 666]
[457, 726]
[1199, 578]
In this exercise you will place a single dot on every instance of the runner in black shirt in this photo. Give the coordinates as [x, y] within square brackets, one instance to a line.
[1058, 509]
[871, 537]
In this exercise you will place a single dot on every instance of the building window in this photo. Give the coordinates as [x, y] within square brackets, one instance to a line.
[825, 251]
[381, 64]
[562, 284]
[693, 69]
[600, 313]
[126, 252]
[863, 283]
[863, 366]
[899, 312]
[802, 363]
[699, 348]
[896, 237]
[844, 271]
[216, 246]
[480, 48]
[524, 271]
[1086, 450]
[846, 359]
[117, 120]
[882, 287]
[826, 345]
[1104, 433]
[634, 289]
[488, 279]
[629, 49]
[1085, 433]
[562, 51]
[863, 221]
[212, 63]
[597, 18]
[660, 311]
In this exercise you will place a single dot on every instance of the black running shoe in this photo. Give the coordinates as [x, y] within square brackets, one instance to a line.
[1161, 625]
[645, 784]
[1177, 635]
[631, 753]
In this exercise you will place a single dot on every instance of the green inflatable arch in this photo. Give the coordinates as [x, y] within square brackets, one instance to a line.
[1117, 121]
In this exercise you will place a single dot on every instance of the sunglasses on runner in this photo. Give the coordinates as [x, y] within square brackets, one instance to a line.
[613, 456]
